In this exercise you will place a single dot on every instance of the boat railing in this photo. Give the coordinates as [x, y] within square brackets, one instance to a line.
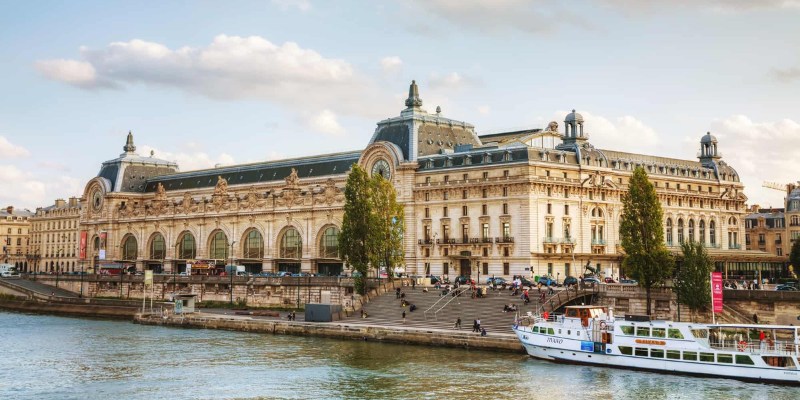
[767, 347]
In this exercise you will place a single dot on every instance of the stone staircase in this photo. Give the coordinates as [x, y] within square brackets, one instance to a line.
[386, 310]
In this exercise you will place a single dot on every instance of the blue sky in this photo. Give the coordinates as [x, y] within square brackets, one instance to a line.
[206, 83]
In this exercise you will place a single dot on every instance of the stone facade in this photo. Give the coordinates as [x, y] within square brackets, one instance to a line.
[15, 226]
[530, 202]
[55, 238]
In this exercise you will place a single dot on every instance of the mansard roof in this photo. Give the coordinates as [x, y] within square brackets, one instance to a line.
[261, 172]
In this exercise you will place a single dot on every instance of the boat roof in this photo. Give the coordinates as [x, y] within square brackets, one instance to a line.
[754, 326]
[584, 307]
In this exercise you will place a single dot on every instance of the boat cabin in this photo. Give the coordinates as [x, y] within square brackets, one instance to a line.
[585, 313]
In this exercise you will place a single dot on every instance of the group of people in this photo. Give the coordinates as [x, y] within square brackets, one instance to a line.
[399, 294]
[742, 284]
[511, 307]
[291, 316]
[476, 327]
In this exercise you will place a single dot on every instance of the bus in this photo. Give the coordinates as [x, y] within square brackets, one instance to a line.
[8, 270]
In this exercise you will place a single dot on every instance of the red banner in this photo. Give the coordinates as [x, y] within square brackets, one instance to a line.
[83, 245]
[716, 291]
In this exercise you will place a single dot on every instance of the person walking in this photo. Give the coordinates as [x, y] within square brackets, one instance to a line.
[474, 325]
[404, 316]
[457, 325]
[755, 318]
[478, 325]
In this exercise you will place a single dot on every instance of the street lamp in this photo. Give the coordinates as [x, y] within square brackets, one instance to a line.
[232, 269]
[58, 266]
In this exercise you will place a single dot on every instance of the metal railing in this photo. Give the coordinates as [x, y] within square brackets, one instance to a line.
[598, 242]
[767, 347]
[453, 294]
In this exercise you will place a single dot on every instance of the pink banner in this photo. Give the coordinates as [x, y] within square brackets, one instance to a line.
[83, 245]
[716, 291]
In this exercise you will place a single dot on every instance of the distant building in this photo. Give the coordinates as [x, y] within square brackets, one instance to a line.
[55, 238]
[15, 228]
[528, 202]
[774, 230]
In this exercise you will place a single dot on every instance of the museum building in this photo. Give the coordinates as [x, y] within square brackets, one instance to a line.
[529, 202]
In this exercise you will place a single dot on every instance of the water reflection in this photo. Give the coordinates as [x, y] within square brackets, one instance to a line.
[67, 358]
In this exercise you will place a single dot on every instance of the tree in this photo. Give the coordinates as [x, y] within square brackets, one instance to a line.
[642, 233]
[386, 226]
[794, 256]
[692, 283]
[354, 235]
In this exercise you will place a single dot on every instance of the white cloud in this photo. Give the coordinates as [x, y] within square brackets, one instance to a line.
[8, 149]
[391, 64]
[451, 81]
[484, 110]
[326, 122]
[192, 160]
[760, 151]
[302, 5]
[786, 75]
[20, 189]
[230, 67]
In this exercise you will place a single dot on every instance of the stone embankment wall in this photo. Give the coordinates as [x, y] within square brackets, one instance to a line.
[72, 309]
[438, 338]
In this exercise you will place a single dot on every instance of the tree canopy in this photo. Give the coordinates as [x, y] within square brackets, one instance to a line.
[372, 227]
[692, 284]
[642, 235]
[794, 256]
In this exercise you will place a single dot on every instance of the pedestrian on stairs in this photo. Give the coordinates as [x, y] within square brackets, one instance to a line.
[475, 325]
[404, 316]
[457, 325]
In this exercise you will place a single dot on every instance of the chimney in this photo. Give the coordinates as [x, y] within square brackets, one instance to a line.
[10, 209]
[60, 203]
[73, 201]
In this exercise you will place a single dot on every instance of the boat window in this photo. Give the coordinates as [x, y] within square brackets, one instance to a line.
[559, 331]
[657, 353]
[642, 331]
[627, 350]
[700, 333]
[690, 356]
[707, 357]
[725, 358]
[675, 333]
[626, 330]
[641, 352]
[674, 354]
[535, 329]
[569, 332]
[659, 332]
[571, 312]
[743, 359]
[551, 331]
[780, 362]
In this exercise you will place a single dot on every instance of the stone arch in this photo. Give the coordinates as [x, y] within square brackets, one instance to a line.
[289, 243]
[129, 246]
[218, 244]
[250, 243]
[156, 248]
[324, 242]
[186, 245]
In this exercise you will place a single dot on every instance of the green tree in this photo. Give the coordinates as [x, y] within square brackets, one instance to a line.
[354, 235]
[692, 284]
[641, 230]
[794, 257]
[386, 226]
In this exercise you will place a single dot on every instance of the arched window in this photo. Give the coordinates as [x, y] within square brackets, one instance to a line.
[669, 231]
[329, 245]
[680, 230]
[219, 246]
[253, 245]
[129, 248]
[702, 236]
[186, 247]
[732, 222]
[158, 247]
[95, 243]
[691, 230]
[291, 244]
[712, 233]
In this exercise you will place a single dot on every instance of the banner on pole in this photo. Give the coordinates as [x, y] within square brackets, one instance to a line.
[102, 251]
[716, 291]
[83, 245]
[148, 277]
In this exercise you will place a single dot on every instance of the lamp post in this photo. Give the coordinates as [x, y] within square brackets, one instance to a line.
[58, 265]
[81, 292]
[232, 271]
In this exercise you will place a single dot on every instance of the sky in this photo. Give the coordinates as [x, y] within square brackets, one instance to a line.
[204, 83]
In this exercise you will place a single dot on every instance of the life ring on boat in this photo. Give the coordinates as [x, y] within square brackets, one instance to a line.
[742, 345]
[602, 325]
[546, 315]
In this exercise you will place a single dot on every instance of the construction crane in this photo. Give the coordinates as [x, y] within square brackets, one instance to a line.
[783, 187]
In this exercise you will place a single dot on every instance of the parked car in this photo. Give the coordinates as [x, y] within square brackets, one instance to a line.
[435, 279]
[570, 281]
[547, 281]
[463, 280]
[500, 281]
[610, 280]
[787, 287]
[591, 280]
[629, 281]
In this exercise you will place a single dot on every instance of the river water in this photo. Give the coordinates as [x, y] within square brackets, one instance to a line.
[48, 357]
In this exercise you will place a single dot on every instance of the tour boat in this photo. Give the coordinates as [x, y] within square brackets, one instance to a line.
[591, 335]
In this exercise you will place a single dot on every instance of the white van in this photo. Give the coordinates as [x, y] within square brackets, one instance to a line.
[8, 270]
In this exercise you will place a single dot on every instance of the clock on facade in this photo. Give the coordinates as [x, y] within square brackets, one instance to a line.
[97, 199]
[382, 167]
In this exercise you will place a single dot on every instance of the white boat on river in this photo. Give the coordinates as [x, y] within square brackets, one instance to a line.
[591, 335]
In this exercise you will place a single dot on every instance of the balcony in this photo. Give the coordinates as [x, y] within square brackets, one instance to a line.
[778, 241]
[464, 240]
[598, 242]
[486, 240]
[734, 246]
[762, 243]
[425, 241]
[504, 239]
[568, 240]
[550, 239]
[713, 245]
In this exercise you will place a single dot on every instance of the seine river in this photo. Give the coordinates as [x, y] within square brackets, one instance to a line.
[47, 357]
